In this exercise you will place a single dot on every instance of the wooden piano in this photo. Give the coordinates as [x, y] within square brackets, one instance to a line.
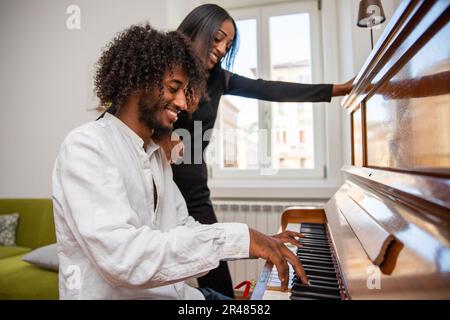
[385, 234]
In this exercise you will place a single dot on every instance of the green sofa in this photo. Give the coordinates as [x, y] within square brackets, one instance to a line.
[36, 228]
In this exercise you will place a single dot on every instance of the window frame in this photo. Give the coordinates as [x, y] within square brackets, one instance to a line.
[262, 15]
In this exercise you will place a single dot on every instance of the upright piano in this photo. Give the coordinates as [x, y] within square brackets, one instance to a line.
[385, 234]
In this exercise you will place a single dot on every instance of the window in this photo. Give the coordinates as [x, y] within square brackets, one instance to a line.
[259, 138]
[302, 136]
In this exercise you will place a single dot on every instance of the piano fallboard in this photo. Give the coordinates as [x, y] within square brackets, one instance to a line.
[383, 247]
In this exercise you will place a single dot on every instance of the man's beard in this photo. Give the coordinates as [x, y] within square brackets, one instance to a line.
[148, 111]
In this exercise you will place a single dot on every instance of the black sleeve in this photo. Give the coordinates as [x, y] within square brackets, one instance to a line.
[277, 90]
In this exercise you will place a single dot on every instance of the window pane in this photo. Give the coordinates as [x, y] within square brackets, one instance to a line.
[240, 115]
[290, 49]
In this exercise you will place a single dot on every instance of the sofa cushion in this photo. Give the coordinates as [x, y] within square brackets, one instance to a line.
[21, 280]
[8, 226]
[45, 257]
[36, 224]
[9, 251]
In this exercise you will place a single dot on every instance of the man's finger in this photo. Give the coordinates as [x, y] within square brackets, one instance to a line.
[295, 243]
[282, 269]
[296, 264]
[295, 234]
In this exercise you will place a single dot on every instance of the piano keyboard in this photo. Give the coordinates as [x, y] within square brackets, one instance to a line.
[319, 264]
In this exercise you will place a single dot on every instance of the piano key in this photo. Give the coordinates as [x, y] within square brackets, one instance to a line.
[326, 263]
[314, 231]
[310, 228]
[323, 278]
[313, 295]
[314, 244]
[318, 251]
[317, 267]
[300, 298]
[299, 287]
[330, 283]
[318, 272]
[317, 263]
[308, 238]
[318, 241]
[330, 277]
[312, 225]
[317, 237]
[309, 246]
[315, 257]
[324, 283]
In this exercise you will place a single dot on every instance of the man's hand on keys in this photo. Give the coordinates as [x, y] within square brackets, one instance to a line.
[273, 250]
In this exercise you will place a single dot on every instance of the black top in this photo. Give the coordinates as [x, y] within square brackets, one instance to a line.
[192, 178]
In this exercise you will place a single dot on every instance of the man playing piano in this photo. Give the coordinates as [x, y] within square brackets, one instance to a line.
[122, 225]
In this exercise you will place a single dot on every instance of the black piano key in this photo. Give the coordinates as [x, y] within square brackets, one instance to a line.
[299, 287]
[313, 225]
[307, 228]
[306, 238]
[318, 272]
[324, 283]
[317, 232]
[315, 248]
[314, 241]
[329, 282]
[314, 233]
[318, 268]
[314, 237]
[301, 298]
[323, 278]
[318, 251]
[317, 263]
[307, 244]
[313, 255]
[309, 238]
[330, 277]
[302, 256]
[314, 245]
[312, 230]
[320, 258]
[313, 295]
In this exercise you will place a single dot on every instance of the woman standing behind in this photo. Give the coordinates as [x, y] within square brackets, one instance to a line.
[214, 34]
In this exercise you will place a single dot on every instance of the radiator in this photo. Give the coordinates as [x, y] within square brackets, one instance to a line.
[262, 216]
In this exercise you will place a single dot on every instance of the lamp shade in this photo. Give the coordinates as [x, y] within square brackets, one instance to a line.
[371, 13]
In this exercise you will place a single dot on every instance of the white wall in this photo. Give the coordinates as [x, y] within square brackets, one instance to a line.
[46, 71]
[46, 77]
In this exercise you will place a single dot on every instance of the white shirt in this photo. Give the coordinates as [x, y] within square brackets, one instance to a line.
[112, 244]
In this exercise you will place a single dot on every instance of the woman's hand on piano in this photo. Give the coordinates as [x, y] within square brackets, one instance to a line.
[288, 236]
[343, 88]
[273, 250]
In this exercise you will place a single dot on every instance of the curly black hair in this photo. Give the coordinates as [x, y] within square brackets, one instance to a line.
[137, 60]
